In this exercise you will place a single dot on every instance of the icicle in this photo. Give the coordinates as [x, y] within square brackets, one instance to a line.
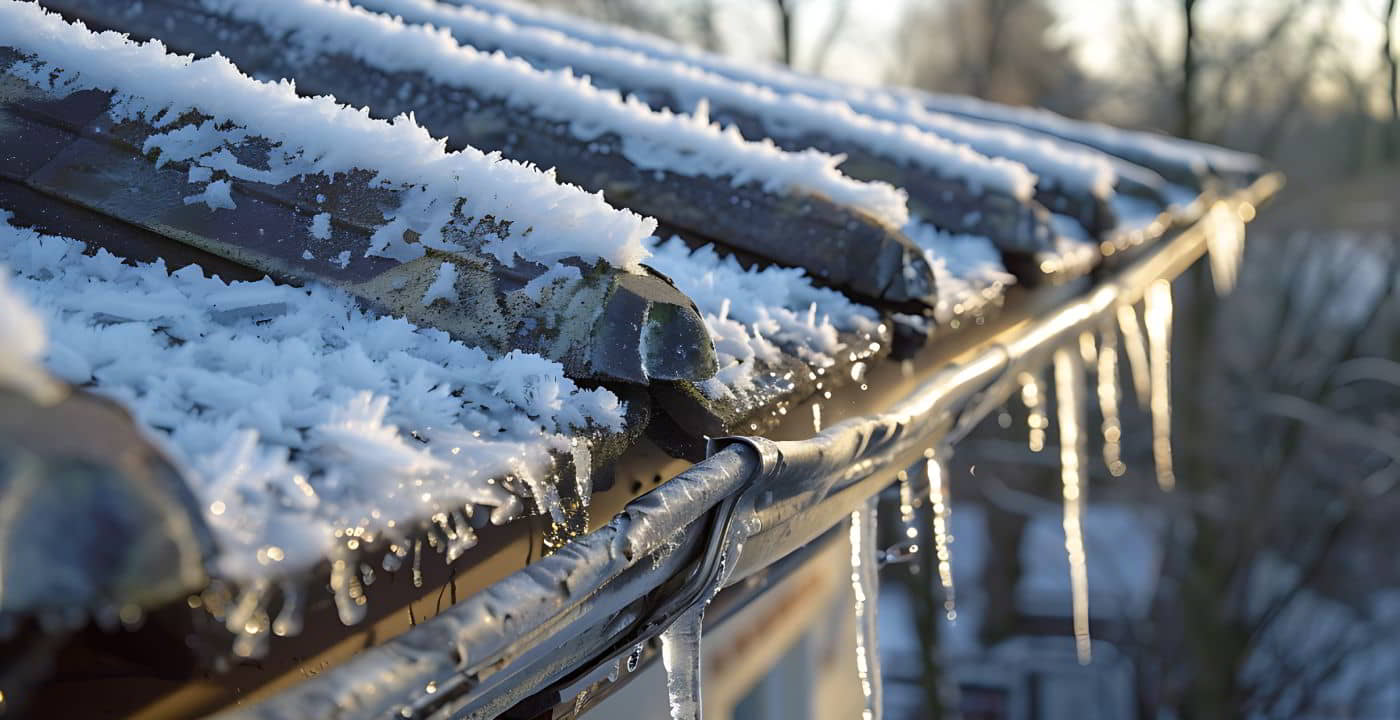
[545, 494]
[1069, 392]
[1225, 234]
[248, 621]
[680, 643]
[345, 585]
[865, 584]
[680, 654]
[942, 508]
[583, 466]
[908, 519]
[460, 536]
[1108, 402]
[580, 701]
[393, 560]
[816, 417]
[1087, 348]
[1136, 350]
[288, 620]
[1158, 314]
[417, 563]
[1034, 401]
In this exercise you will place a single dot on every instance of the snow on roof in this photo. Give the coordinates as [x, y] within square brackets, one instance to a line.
[753, 313]
[298, 414]
[683, 144]
[1153, 148]
[692, 85]
[968, 270]
[22, 341]
[22, 336]
[317, 135]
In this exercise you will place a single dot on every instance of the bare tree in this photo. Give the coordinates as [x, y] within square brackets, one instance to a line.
[788, 48]
[787, 30]
[1001, 50]
[1392, 64]
[828, 39]
[1189, 62]
[1294, 440]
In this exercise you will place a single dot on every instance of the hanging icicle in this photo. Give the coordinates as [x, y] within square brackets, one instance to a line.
[680, 642]
[345, 585]
[582, 454]
[1136, 349]
[1225, 233]
[1158, 315]
[1034, 400]
[865, 584]
[1069, 392]
[1088, 349]
[942, 509]
[1112, 427]
[680, 655]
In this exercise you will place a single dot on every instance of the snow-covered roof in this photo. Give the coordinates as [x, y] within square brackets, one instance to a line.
[682, 144]
[986, 156]
[1191, 159]
[448, 338]
[694, 87]
[316, 136]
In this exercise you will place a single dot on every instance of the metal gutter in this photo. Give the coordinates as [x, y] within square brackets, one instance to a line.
[619, 585]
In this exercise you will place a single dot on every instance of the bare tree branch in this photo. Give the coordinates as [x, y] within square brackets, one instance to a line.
[828, 37]
[1392, 63]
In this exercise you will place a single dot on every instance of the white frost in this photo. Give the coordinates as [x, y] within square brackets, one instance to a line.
[21, 331]
[751, 312]
[298, 412]
[967, 270]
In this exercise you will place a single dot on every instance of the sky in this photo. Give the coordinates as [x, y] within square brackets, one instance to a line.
[865, 50]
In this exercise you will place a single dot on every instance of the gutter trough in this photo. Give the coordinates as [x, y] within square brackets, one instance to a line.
[588, 604]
